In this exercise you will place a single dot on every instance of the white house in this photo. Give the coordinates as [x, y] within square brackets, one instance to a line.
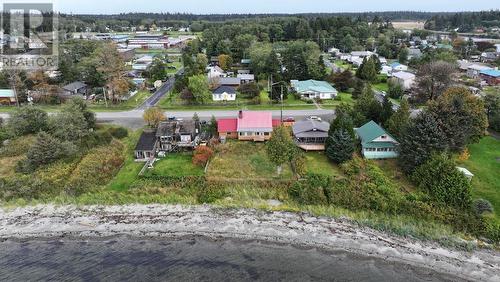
[224, 93]
[246, 78]
[215, 71]
[357, 61]
[398, 67]
[405, 79]
[313, 89]
[387, 70]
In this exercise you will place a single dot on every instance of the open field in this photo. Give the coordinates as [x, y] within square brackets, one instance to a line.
[317, 162]
[244, 160]
[176, 164]
[484, 163]
[408, 25]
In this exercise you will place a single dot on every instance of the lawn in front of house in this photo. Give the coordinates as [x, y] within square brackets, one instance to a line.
[318, 163]
[177, 165]
[245, 161]
[382, 86]
[342, 98]
[484, 163]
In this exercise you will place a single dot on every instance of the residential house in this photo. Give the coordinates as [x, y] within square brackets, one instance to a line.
[142, 63]
[311, 135]
[405, 79]
[491, 76]
[414, 53]
[463, 65]
[382, 60]
[246, 78]
[489, 57]
[474, 70]
[215, 72]
[356, 61]
[387, 70]
[362, 54]
[175, 135]
[76, 88]
[224, 93]
[398, 67]
[248, 126]
[376, 143]
[314, 89]
[146, 146]
[7, 97]
[229, 81]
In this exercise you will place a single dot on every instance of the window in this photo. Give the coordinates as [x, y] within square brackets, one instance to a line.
[266, 133]
[383, 137]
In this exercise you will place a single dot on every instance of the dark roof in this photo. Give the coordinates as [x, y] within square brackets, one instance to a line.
[187, 127]
[311, 128]
[166, 128]
[147, 141]
[225, 89]
[74, 86]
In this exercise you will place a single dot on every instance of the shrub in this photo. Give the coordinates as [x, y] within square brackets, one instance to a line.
[441, 179]
[201, 155]
[299, 164]
[24, 186]
[96, 168]
[210, 193]
[17, 147]
[45, 150]
[118, 132]
[28, 120]
[481, 206]
[311, 190]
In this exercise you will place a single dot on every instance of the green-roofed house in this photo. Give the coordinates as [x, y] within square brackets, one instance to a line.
[376, 142]
[314, 89]
[7, 97]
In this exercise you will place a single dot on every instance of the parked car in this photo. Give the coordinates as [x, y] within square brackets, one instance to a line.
[316, 118]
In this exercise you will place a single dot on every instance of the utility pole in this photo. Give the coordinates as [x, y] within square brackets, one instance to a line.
[281, 103]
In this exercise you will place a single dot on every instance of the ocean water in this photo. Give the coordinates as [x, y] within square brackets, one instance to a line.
[192, 259]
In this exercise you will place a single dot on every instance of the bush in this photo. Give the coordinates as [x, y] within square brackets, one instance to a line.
[17, 147]
[311, 190]
[441, 179]
[96, 168]
[45, 150]
[28, 120]
[201, 155]
[118, 132]
[481, 206]
[299, 164]
[210, 193]
[24, 186]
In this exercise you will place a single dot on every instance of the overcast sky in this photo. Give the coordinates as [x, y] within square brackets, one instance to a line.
[269, 6]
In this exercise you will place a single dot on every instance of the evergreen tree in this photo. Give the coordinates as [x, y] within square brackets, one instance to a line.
[400, 120]
[387, 110]
[368, 106]
[341, 146]
[280, 148]
[422, 138]
[359, 86]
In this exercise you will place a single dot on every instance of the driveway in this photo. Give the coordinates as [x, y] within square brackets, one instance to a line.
[160, 93]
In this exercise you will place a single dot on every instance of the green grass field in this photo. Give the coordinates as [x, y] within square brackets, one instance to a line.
[318, 163]
[177, 164]
[244, 160]
[484, 163]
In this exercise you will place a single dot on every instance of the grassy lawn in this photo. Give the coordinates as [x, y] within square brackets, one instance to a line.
[177, 164]
[484, 163]
[342, 64]
[345, 98]
[317, 162]
[382, 87]
[492, 90]
[244, 160]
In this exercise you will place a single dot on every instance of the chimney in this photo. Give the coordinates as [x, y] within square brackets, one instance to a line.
[240, 114]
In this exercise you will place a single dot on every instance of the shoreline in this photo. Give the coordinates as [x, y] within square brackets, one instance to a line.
[160, 222]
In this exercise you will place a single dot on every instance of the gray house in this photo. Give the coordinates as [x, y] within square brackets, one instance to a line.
[176, 135]
[311, 135]
[146, 146]
[76, 88]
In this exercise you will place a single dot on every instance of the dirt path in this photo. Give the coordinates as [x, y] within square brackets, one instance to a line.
[163, 221]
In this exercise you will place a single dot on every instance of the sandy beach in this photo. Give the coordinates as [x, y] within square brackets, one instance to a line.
[301, 230]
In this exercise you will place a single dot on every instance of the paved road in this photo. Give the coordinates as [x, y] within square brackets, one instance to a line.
[133, 119]
[164, 89]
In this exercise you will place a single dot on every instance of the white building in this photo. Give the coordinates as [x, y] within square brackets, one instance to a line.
[474, 70]
[405, 79]
[313, 89]
[224, 93]
[396, 67]
[215, 72]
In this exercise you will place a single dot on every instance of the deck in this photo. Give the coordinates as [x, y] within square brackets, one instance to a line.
[312, 147]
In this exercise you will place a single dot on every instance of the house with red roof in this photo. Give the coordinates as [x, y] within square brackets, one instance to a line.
[248, 126]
